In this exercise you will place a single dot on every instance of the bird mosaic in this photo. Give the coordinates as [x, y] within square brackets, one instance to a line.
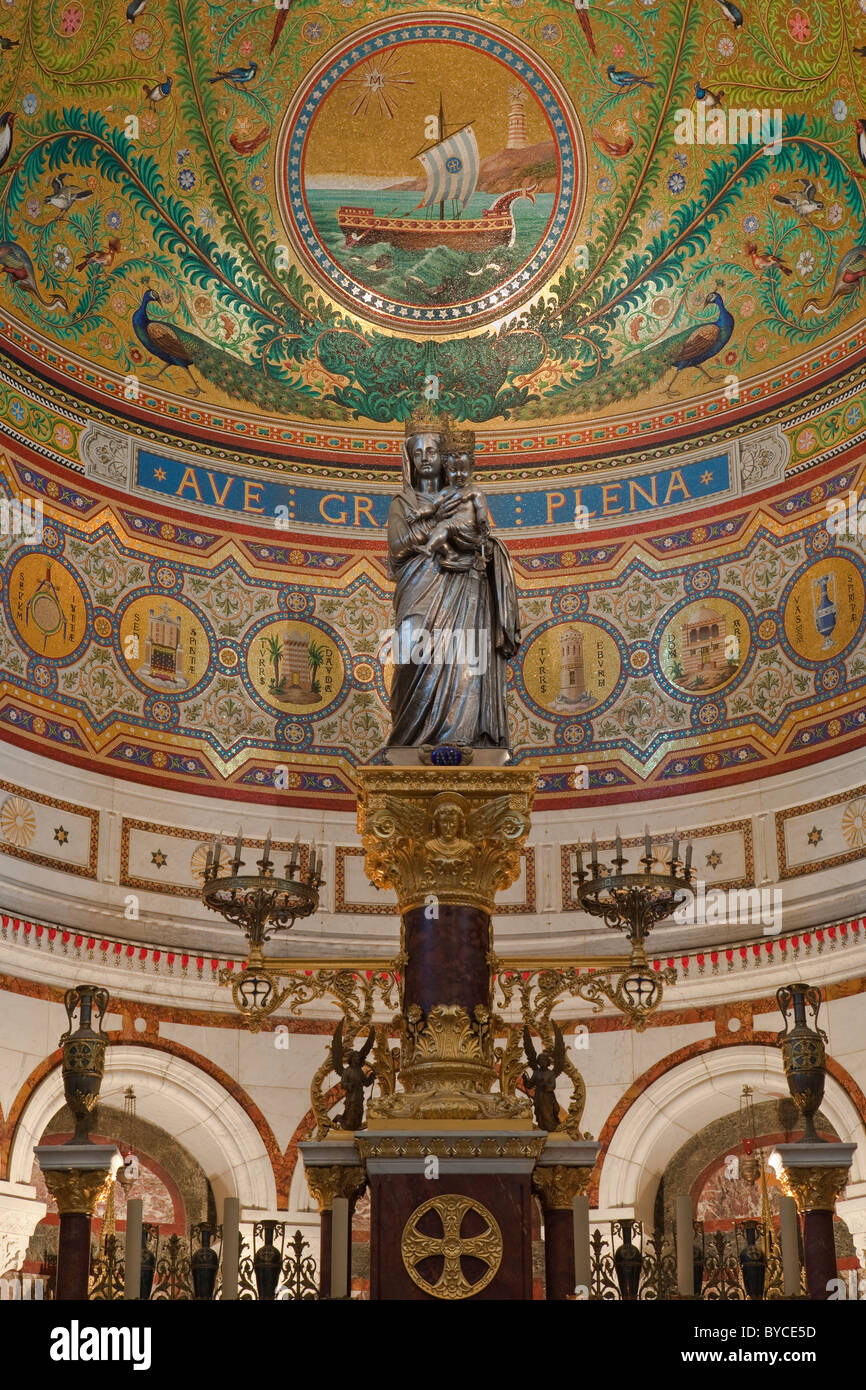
[103, 258]
[849, 273]
[249, 146]
[158, 92]
[627, 80]
[18, 267]
[193, 210]
[161, 340]
[765, 260]
[239, 77]
[176, 347]
[685, 351]
[731, 12]
[710, 98]
[279, 23]
[7, 127]
[583, 19]
[802, 200]
[615, 149]
[63, 197]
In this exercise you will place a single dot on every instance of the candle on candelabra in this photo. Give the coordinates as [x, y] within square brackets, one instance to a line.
[579, 857]
[647, 847]
[675, 848]
[688, 859]
[619, 860]
[217, 853]
[266, 856]
[296, 850]
[594, 854]
[239, 844]
[311, 866]
[208, 861]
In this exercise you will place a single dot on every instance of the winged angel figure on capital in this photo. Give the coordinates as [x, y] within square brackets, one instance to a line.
[446, 843]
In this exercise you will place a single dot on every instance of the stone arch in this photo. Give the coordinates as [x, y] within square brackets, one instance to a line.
[182, 1098]
[663, 1111]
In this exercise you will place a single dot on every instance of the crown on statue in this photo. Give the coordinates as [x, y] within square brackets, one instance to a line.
[424, 420]
[461, 441]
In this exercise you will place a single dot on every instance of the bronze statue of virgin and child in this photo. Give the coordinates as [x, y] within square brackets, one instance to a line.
[456, 616]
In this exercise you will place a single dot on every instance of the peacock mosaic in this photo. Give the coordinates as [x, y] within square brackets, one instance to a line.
[241, 220]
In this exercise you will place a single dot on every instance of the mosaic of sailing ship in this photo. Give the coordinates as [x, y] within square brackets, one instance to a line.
[466, 235]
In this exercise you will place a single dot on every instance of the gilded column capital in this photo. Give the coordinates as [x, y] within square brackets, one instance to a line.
[447, 1069]
[327, 1181]
[558, 1184]
[77, 1189]
[452, 832]
[815, 1187]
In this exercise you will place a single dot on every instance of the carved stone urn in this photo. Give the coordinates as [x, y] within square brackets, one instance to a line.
[267, 1265]
[628, 1262]
[753, 1262]
[84, 1056]
[803, 1053]
[204, 1263]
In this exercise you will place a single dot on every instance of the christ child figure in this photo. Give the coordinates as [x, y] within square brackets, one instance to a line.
[465, 525]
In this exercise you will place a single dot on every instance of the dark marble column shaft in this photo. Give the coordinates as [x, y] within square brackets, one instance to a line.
[73, 1256]
[325, 1229]
[447, 957]
[819, 1248]
[559, 1254]
[325, 1254]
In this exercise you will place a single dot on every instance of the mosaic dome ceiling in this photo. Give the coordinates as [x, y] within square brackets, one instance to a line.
[232, 265]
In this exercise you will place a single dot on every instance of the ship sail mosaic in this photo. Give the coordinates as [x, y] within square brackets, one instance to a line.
[451, 166]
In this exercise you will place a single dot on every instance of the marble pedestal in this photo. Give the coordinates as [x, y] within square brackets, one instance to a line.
[814, 1175]
[451, 1212]
[76, 1176]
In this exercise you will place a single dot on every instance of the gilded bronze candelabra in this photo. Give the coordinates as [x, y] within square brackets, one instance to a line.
[633, 903]
[260, 904]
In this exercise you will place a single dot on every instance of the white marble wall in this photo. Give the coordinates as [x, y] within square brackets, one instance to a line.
[760, 830]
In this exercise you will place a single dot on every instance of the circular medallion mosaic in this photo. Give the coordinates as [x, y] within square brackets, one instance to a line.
[704, 645]
[571, 667]
[430, 174]
[824, 609]
[47, 606]
[295, 666]
[164, 644]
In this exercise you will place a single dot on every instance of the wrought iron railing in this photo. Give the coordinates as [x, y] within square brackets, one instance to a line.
[107, 1276]
[172, 1275]
[630, 1264]
[278, 1266]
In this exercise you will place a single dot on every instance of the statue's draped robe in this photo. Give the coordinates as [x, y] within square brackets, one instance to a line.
[451, 701]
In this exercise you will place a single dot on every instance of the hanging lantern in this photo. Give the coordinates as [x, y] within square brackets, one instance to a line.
[750, 1167]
